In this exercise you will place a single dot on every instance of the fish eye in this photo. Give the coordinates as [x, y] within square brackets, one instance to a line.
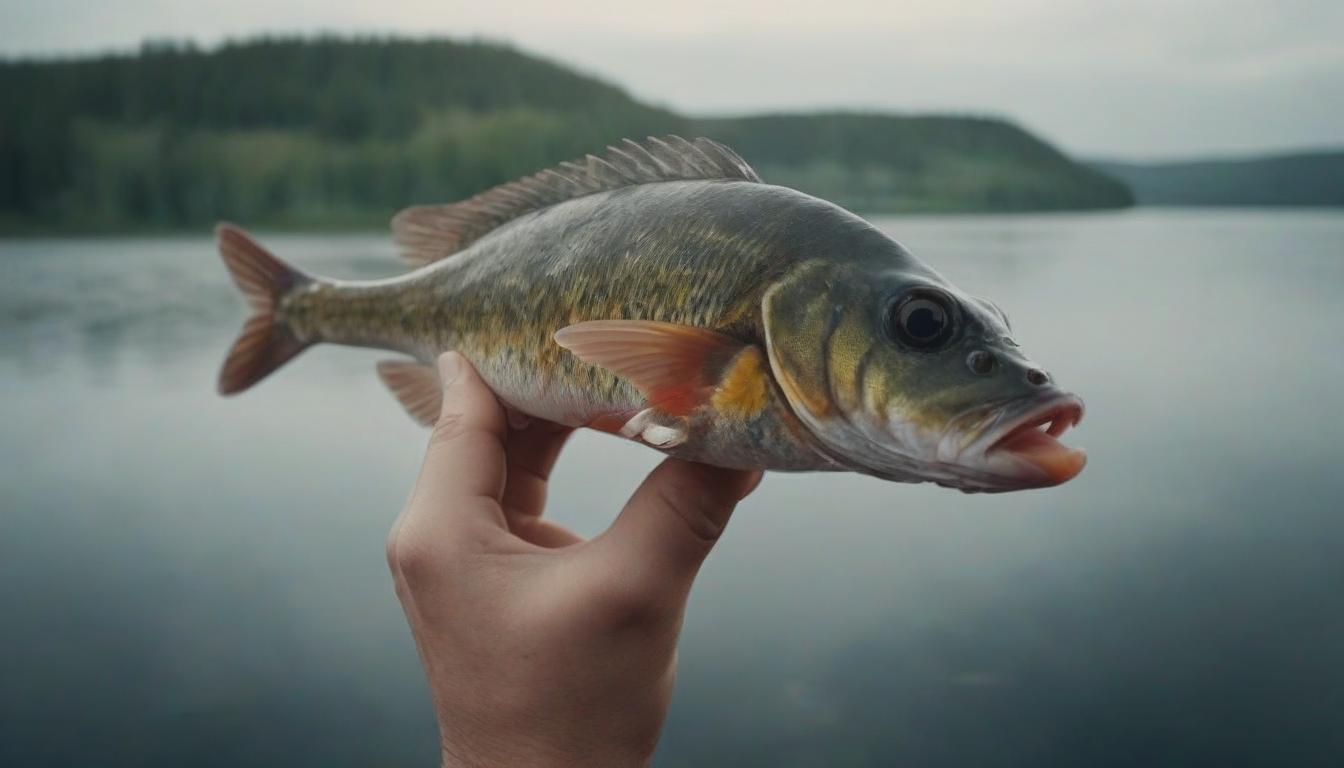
[922, 318]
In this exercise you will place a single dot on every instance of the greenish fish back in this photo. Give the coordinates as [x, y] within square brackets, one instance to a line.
[427, 233]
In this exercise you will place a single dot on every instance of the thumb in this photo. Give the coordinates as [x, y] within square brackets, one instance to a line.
[673, 520]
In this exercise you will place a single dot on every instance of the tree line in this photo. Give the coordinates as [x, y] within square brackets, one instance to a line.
[344, 131]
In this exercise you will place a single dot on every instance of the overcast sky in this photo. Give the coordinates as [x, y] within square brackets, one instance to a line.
[1132, 79]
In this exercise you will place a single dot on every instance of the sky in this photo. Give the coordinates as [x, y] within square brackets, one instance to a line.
[1140, 79]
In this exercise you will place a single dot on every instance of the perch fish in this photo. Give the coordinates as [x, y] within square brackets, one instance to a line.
[664, 293]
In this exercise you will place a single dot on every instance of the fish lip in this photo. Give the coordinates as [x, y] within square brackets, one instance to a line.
[1063, 410]
[997, 471]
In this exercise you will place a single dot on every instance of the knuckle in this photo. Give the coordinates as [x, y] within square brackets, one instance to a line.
[416, 562]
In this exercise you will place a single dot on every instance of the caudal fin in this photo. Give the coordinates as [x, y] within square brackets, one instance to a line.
[265, 343]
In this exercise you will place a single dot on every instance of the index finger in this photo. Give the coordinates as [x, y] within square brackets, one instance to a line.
[531, 454]
[463, 474]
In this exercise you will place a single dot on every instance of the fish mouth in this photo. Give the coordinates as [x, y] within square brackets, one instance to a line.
[1027, 449]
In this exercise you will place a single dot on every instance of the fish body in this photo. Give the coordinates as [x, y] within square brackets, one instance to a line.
[666, 294]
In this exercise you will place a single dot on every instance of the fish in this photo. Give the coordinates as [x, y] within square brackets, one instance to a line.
[661, 291]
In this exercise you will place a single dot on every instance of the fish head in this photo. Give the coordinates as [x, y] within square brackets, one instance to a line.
[899, 374]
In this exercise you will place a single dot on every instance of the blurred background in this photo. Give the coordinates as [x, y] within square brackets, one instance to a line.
[1152, 191]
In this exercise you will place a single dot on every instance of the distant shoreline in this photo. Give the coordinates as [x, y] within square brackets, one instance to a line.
[382, 229]
[335, 132]
[1309, 178]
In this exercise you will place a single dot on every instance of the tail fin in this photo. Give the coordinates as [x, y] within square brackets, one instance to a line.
[265, 343]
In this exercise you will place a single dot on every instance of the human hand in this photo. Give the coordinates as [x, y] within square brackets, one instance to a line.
[541, 648]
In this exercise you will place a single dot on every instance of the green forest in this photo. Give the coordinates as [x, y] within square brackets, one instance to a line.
[342, 132]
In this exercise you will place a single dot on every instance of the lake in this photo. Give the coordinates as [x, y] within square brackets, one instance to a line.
[187, 579]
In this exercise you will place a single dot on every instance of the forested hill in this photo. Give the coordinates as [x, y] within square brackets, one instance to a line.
[290, 131]
[874, 162]
[1296, 179]
[343, 132]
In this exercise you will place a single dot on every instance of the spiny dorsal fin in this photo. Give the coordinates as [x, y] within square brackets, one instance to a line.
[427, 233]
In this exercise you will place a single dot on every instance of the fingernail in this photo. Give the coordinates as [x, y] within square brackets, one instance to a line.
[450, 364]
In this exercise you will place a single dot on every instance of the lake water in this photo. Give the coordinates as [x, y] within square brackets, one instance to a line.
[189, 580]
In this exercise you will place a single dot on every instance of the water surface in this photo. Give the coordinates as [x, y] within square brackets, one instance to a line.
[186, 579]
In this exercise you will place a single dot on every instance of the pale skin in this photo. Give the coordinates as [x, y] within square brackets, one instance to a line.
[543, 648]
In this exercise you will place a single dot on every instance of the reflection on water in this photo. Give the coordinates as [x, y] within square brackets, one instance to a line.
[188, 579]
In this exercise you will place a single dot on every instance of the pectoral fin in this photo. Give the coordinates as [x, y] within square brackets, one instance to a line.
[678, 367]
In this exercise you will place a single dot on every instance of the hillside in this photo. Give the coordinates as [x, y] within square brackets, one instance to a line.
[873, 162]
[342, 132]
[1300, 179]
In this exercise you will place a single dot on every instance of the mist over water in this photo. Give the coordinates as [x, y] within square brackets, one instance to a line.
[186, 579]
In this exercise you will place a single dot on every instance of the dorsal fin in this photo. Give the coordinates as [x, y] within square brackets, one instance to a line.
[427, 233]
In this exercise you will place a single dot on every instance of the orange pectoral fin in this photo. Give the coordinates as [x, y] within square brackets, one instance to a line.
[677, 367]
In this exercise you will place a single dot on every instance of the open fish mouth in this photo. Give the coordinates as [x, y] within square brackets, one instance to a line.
[1026, 450]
